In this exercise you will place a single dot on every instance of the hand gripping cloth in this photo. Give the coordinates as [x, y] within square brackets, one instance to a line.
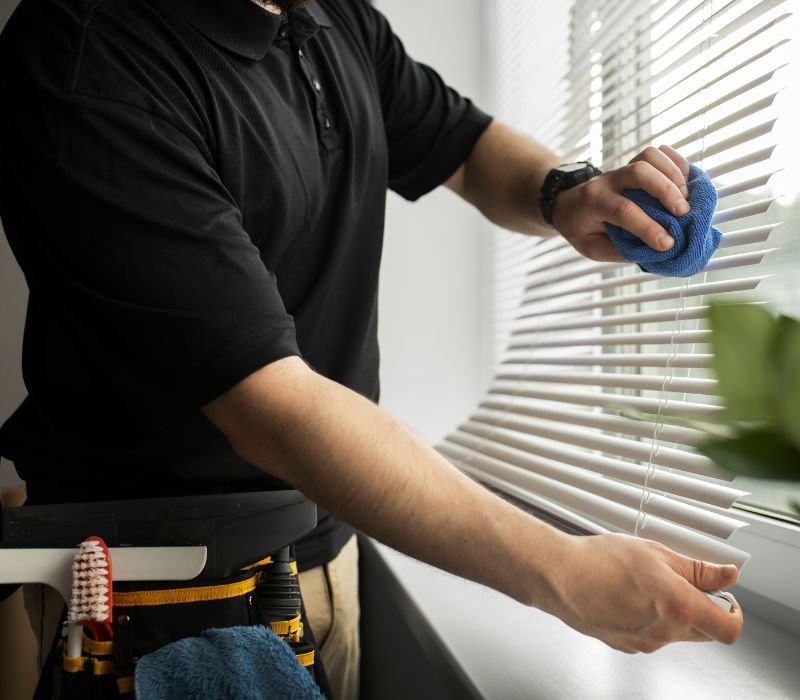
[233, 663]
[695, 238]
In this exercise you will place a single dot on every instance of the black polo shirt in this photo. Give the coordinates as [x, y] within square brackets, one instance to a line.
[195, 190]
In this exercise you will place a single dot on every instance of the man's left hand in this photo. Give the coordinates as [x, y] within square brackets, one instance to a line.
[580, 213]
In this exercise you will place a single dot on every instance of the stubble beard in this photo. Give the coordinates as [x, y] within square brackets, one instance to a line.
[281, 5]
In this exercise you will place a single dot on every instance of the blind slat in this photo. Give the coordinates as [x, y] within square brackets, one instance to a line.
[720, 495]
[532, 342]
[614, 380]
[679, 538]
[616, 150]
[619, 447]
[602, 399]
[732, 142]
[711, 79]
[717, 263]
[757, 155]
[678, 292]
[650, 359]
[555, 474]
[611, 320]
[590, 419]
[580, 343]
[640, 92]
[696, 49]
[580, 267]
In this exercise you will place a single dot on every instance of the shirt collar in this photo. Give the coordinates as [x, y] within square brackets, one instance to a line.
[242, 26]
[318, 13]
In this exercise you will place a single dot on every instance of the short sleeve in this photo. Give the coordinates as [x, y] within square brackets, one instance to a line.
[430, 128]
[141, 247]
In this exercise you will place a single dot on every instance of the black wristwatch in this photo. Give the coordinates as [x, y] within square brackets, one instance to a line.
[562, 178]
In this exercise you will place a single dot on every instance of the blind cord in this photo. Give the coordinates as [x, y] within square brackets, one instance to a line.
[641, 518]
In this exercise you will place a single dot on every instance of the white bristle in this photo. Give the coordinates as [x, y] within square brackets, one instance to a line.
[90, 591]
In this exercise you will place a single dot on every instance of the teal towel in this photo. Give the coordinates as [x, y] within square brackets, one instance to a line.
[241, 663]
[696, 239]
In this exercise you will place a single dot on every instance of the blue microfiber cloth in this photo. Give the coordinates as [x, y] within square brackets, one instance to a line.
[695, 238]
[241, 663]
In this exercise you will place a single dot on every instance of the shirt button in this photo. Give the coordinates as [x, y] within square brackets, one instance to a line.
[316, 85]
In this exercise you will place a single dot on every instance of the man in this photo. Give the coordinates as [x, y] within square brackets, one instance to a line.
[195, 191]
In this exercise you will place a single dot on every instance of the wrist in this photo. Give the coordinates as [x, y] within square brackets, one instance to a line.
[558, 179]
[544, 567]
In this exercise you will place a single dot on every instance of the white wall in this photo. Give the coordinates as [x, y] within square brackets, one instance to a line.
[434, 314]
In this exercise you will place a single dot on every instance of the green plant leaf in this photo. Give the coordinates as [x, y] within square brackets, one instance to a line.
[786, 364]
[763, 453]
[742, 337]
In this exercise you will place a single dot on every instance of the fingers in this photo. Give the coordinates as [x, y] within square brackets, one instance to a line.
[704, 575]
[598, 246]
[646, 176]
[671, 164]
[707, 576]
[623, 212]
[656, 640]
[697, 636]
[716, 622]
[662, 173]
[691, 617]
[583, 210]
[677, 158]
[658, 603]
[694, 607]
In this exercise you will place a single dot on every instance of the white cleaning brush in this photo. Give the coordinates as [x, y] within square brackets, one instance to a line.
[90, 600]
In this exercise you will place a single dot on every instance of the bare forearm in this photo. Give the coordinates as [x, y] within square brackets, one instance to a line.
[502, 177]
[353, 458]
[503, 174]
[357, 461]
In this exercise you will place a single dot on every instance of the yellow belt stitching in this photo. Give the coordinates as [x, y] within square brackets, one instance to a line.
[91, 646]
[306, 659]
[260, 562]
[175, 596]
[196, 594]
[284, 627]
[268, 560]
[99, 668]
[125, 684]
[185, 595]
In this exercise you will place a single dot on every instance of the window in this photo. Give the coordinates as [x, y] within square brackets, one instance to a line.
[578, 341]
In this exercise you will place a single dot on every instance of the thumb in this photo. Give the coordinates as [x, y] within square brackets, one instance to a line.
[708, 576]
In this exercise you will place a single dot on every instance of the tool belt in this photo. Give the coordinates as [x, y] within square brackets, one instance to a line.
[235, 587]
[149, 616]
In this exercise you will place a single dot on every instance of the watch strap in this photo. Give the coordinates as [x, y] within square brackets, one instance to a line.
[558, 180]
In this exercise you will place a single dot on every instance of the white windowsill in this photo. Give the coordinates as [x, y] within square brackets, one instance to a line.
[507, 651]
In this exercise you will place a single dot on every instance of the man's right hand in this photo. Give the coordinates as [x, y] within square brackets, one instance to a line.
[356, 461]
[637, 595]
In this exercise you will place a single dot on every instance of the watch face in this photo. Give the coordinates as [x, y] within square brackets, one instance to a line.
[571, 167]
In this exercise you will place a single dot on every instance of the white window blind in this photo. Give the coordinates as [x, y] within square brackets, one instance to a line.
[579, 341]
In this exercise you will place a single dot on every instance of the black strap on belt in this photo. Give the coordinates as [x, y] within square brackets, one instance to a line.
[236, 528]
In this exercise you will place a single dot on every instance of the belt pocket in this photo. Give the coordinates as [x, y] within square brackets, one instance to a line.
[149, 616]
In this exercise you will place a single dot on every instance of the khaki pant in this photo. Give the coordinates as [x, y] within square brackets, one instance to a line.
[330, 595]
